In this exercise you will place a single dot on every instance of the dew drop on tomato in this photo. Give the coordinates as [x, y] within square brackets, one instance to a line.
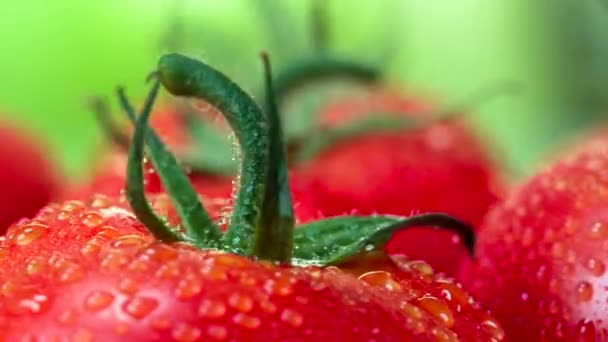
[210, 308]
[217, 332]
[92, 219]
[598, 231]
[29, 233]
[247, 321]
[585, 331]
[185, 333]
[437, 309]
[292, 318]
[240, 302]
[381, 278]
[595, 266]
[584, 291]
[140, 307]
[98, 300]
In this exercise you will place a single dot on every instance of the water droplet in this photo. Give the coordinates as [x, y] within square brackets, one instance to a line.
[128, 285]
[443, 335]
[553, 306]
[140, 307]
[527, 238]
[302, 300]
[67, 317]
[63, 215]
[247, 321]
[91, 247]
[542, 274]
[292, 317]
[559, 330]
[438, 309]
[381, 278]
[188, 288]
[113, 260]
[71, 274]
[278, 287]
[454, 294]
[92, 219]
[596, 267]
[524, 296]
[558, 250]
[98, 300]
[598, 231]
[185, 333]
[217, 332]
[100, 201]
[160, 253]
[121, 329]
[422, 267]
[411, 310]
[168, 271]
[3, 252]
[585, 331]
[268, 306]
[161, 324]
[211, 309]
[35, 266]
[584, 291]
[128, 241]
[241, 302]
[34, 303]
[230, 260]
[493, 327]
[82, 335]
[107, 233]
[29, 233]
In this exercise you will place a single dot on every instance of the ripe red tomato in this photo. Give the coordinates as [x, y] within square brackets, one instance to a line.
[92, 271]
[27, 175]
[440, 167]
[542, 253]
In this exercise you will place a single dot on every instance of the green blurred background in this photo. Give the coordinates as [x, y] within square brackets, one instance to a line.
[55, 54]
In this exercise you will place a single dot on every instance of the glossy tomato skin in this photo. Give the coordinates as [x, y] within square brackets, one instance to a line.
[438, 168]
[89, 270]
[543, 252]
[28, 178]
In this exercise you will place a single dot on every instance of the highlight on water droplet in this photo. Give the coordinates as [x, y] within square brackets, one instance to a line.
[98, 300]
[437, 309]
[598, 230]
[241, 302]
[595, 266]
[247, 321]
[217, 332]
[210, 308]
[140, 307]
[293, 318]
[381, 278]
[29, 233]
[584, 291]
[585, 331]
[185, 333]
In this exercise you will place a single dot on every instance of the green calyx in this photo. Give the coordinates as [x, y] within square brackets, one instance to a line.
[262, 221]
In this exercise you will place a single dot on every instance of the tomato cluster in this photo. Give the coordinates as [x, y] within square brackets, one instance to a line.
[384, 221]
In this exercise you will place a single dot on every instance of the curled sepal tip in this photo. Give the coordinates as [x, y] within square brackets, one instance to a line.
[198, 226]
[336, 240]
[184, 76]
